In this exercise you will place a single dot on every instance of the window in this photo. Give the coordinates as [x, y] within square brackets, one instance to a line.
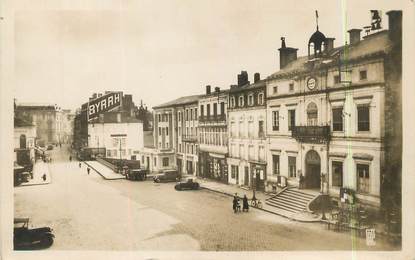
[292, 166]
[108, 153]
[195, 114]
[275, 164]
[250, 100]
[363, 178]
[250, 129]
[275, 121]
[202, 110]
[337, 173]
[241, 128]
[241, 101]
[222, 108]
[291, 87]
[232, 102]
[363, 74]
[251, 154]
[191, 114]
[312, 114]
[167, 131]
[215, 109]
[234, 171]
[275, 90]
[208, 110]
[159, 117]
[337, 119]
[155, 161]
[336, 79]
[291, 119]
[241, 151]
[363, 118]
[260, 99]
[165, 161]
[261, 133]
[261, 153]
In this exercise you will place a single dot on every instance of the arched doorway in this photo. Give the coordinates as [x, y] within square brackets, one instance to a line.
[23, 141]
[313, 169]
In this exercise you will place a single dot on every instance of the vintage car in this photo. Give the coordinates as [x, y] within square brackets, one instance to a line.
[167, 176]
[188, 184]
[50, 147]
[136, 174]
[30, 239]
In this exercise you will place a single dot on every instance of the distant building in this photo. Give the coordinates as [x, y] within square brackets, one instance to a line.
[46, 117]
[24, 140]
[120, 134]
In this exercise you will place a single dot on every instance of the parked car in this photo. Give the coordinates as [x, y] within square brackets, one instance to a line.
[30, 239]
[50, 147]
[137, 174]
[188, 184]
[167, 176]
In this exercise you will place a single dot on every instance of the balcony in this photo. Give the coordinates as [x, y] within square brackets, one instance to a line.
[189, 138]
[219, 119]
[311, 134]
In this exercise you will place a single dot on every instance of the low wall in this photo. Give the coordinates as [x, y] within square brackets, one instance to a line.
[132, 164]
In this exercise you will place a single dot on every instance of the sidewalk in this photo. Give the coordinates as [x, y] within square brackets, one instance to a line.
[104, 171]
[39, 169]
[230, 190]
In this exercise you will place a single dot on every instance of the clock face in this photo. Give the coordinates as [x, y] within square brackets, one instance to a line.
[311, 83]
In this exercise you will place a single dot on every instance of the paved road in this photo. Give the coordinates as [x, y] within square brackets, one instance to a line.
[87, 212]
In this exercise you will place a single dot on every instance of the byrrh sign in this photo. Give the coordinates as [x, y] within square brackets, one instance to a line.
[103, 104]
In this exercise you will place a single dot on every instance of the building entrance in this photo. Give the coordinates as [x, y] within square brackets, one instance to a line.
[313, 170]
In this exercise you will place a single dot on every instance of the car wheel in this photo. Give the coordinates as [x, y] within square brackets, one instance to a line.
[156, 180]
[47, 241]
[196, 186]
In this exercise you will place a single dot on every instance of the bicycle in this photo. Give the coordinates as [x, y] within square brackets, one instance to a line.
[256, 203]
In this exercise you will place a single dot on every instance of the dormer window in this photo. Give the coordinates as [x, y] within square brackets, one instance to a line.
[261, 99]
[275, 90]
[363, 74]
[232, 102]
[241, 101]
[336, 79]
[250, 100]
[291, 87]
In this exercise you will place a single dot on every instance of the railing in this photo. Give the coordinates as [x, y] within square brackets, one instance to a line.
[311, 134]
[189, 138]
[212, 118]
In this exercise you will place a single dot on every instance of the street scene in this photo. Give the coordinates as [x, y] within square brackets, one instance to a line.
[203, 144]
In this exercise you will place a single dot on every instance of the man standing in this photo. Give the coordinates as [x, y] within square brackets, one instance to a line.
[87, 169]
[80, 164]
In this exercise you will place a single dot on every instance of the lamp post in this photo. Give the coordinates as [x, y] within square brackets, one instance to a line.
[253, 183]
[324, 196]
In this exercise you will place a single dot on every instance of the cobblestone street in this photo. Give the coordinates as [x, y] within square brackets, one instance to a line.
[90, 213]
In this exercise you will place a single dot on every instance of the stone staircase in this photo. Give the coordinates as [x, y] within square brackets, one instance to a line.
[292, 200]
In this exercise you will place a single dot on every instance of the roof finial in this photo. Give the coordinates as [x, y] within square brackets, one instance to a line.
[317, 19]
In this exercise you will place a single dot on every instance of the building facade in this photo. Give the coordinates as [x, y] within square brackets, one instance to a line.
[213, 135]
[326, 114]
[246, 126]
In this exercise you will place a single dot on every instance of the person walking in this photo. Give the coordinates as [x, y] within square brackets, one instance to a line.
[245, 206]
[44, 177]
[80, 164]
[70, 158]
[301, 181]
[235, 202]
[88, 169]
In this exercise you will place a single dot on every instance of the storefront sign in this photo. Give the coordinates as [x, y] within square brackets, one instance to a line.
[104, 104]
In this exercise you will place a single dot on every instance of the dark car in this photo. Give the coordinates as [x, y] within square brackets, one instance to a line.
[30, 239]
[167, 176]
[50, 147]
[189, 184]
[136, 174]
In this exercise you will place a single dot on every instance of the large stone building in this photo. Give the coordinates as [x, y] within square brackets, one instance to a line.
[246, 125]
[326, 114]
[213, 135]
[46, 117]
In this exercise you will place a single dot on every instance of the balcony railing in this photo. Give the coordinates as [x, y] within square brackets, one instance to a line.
[189, 138]
[311, 134]
[212, 118]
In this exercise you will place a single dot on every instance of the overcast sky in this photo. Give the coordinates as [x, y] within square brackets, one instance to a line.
[161, 50]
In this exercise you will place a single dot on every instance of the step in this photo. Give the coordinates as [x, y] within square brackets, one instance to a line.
[290, 201]
[294, 197]
[300, 193]
[291, 206]
[284, 207]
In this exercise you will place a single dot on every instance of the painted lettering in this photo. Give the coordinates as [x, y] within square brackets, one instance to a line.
[110, 101]
[91, 109]
[103, 104]
[117, 98]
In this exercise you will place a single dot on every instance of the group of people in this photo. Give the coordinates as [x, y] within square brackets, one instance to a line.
[236, 205]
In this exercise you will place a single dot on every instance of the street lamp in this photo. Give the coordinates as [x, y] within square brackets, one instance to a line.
[253, 183]
[324, 196]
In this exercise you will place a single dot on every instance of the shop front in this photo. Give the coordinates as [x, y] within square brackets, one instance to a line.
[258, 175]
[213, 166]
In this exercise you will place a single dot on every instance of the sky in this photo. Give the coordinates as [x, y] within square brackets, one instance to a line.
[161, 50]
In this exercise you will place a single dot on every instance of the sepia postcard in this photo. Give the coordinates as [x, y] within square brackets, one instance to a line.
[185, 129]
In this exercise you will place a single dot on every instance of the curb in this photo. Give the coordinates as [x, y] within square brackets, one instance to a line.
[271, 212]
[105, 178]
[41, 183]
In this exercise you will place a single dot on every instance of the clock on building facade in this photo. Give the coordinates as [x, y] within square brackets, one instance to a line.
[311, 83]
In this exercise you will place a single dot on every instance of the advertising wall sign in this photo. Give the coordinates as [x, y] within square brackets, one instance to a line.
[103, 104]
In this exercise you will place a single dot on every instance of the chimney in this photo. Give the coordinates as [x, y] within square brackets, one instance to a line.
[207, 89]
[287, 55]
[94, 95]
[354, 35]
[217, 89]
[329, 44]
[243, 78]
[257, 77]
[395, 25]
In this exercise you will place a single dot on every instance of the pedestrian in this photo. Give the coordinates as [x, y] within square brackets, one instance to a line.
[44, 177]
[235, 203]
[80, 164]
[70, 158]
[245, 206]
[87, 169]
[301, 181]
